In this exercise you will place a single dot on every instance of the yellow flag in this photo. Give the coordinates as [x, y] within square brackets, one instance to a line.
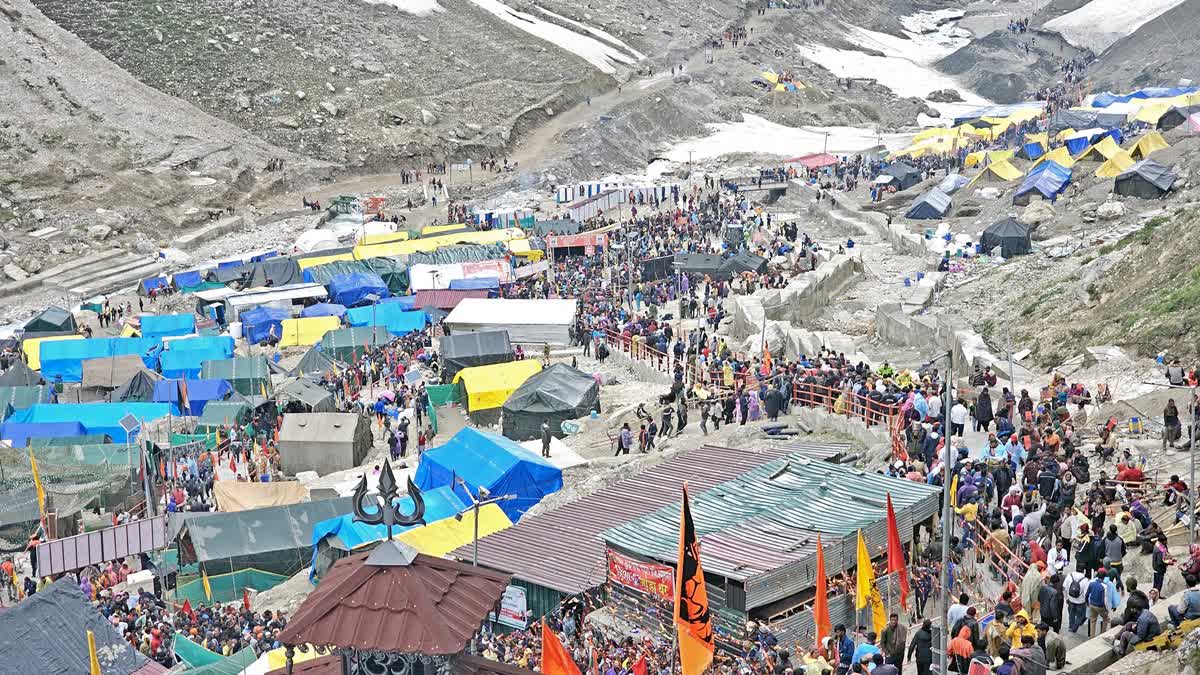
[207, 588]
[218, 438]
[37, 483]
[954, 490]
[263, 385]
[867, 592]
[95, 662]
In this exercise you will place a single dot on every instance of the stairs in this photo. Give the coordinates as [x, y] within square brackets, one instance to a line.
[101, 273]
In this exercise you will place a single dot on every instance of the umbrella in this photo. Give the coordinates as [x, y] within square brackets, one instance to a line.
[389, 395]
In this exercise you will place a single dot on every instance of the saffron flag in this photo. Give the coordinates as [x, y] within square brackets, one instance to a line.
[821, 601]
[766, 357]
[639, 668]
[895, 554]
[184, 402]
[187, 609]
[37, 483]
[693, 620]
[555, 659]
[867, 593]
[233, 463]
[246, 599]
[207, 587]
[94, 668]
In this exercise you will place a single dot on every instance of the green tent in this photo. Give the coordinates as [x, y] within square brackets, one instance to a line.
[21, 398]
[220, 413]
[200, 660]
[344, 343]
[249, 375]
[393, 271]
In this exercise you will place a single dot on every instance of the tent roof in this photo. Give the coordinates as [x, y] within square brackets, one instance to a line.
[441, 502]
[51, 319]
[219, 413]
[237, 368]
[488, 386]
[315, 361]
[315, 397]
[112, 371]
[255, 531]
[1162, 177]
[467, 345]
[743, 262]
[502, 311]
[323, 427]
[557, 388]
[140, 387]
[1115, 165]
[1101, 150]
[1059, 155]
[20, 375]
[1009, 227]
[934, 198]
[1151, 142]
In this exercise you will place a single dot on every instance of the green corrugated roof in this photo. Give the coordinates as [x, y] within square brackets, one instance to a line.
[790, 492]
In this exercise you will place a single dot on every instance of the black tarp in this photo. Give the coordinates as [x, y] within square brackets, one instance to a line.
[698, 263]
[544, 227]
[226, 275]
[1010, 235]
[743, 262]
[465, 350]
[52, 320]
[557, 393]
[654, 269]
[1176, 116]
[905, 175]
[933, 204]
[1147, 179]
[140, 387]
[274, 272]
[20, 375]
[1083, 119]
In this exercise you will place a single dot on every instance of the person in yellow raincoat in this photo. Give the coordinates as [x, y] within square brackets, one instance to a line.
[1020, 626]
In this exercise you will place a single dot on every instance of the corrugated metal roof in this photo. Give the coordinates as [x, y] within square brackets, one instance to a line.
[562, 549]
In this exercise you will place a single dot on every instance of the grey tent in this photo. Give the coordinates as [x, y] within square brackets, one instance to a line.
[1176, 116]
[1084, 119]
[323, 442]
[316, 362]
[274, 272]
[743, 262]
[698, 263]
[140, 387]
[931, 205]
[1147, 179]
[307, 395]
[52, 320]
[220, 413]
[905, 175]
[464, 350]
[110, 372]
[1009, 235]
[20, 375]
[557, 393]
[47, 633]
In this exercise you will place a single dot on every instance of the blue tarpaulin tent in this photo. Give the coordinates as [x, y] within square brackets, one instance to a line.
[491, 461]
[230, 263]
[64, 358]
[351, 289]
[474, 283]
[322, 309]
[96, 418]
[260, 322]
[933, 204]
[390, 315]
[1108, 98]
[189, 278]
[19, 433]
[153, 282]
[1048, 180]
[440, 503]
[186, 363]
[167, 325]
[199, 393]
[1033, 150]
[405, 301]
[221, 343]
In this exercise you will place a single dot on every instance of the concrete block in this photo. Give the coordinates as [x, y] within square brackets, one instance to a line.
[208, 233]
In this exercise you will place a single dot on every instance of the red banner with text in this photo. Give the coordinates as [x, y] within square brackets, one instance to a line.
[654, 579]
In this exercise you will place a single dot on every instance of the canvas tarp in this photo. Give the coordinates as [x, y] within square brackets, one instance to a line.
[1060, 156]
[390, 315]
[233, 496]
[111, 372]
[187, 363]
[997, 172]
[473, 349]
[297, 332]
[1176, 116]
[743, 262]
[182, 280]
[558, 393]
[1010, 236]
[199, 393]
[224, 413]
[527, 321]
[1147, 179]
[249, 375]
[274, 272]
[1100, 151]
[322, 309]
[1115, 165]
[96, 418]
[167, 325]
[20, 375]
[933, 204]
[282, 530]
[953, 183]
[314, 398]
[64, 359]
[487, 387]
[1048, 180]
[140, 387]
[52, 320]
[323, 442]
[21, 434]
[21, 397]
[487, 460]
[905, 175]
[343, 343]
[698, 263]
[316, 362]
[32, 348]
[352, 289]
[348, 534]
[220, 343]
[261, 323]
[1147, 144]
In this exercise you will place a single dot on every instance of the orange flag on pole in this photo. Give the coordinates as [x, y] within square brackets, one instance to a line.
[693, 619]
[555, 659]
[895, 554]
[821, 601]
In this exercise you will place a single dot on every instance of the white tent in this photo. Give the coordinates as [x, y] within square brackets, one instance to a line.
[527, 321]
[316, 240]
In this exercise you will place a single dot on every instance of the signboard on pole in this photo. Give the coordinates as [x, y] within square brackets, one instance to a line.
[513, 606]
[650, 578]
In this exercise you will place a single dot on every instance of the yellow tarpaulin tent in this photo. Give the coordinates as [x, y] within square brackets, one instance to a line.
[1059, 155]
[1151, 142]
[999, 172]
[381, 237]
[427, 244]
[992, 156]
[33, 349]
[307, 331]
[488, 387]
[522, 248]
[936, 132]
[1060, 136]
[1042, 138]
[129, 331]
[443, 536]
[1100, 151]
[1115, 165]
[313, 261]
[1150, 113]
[430, 230]
[974, 159]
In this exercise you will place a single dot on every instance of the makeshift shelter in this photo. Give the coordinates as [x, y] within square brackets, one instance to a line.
[217, 414]
[297, 332]
[1060, 156]
[1147, 180]
[743, 262]
[698, 263]
[323, 442]
[110, 372]
[353, 289]
[20, 375]
[24, 434]
[1175, 116]
[487, 387]
[557, 393]
[487, 460]
[249, 375]
[303, 394]
[391, 316]
[931, 205]
[32, 348]
[1100, 151]
[274, 272]
[140, 387]
[815, 160]
[167, 325]
[1115, 165]
[316, 240]
[260, 324]
[1147, 144]
[316, 362]
[322, 309]
[344, 344]
[52, 320]
[233, 496]
[998, 172]
[1035, 146]
[48, 633]
[1048, 180]
[24, 396]
[953, 183]
[905, 175]
[95, 418]
[527, 321]
[465, 350]
[987, 157]
[200, 393]
[1009, 236]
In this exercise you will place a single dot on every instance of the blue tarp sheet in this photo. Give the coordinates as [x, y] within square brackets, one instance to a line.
[185, 363]
[153, 282]
[199, 393]
[440, 503]
[230, 263]
[64, 358]
[1049, 179]
[19, 433]
[1034, 150]
[391, 315]
[351, 289]
[96, 418]
[189, 278]
[257, 323]
[221, 343]
[488, 460]
[1108, 98]
[405, 301]
[474, 283]
[168, 325]
[263, 256]
[323, 309]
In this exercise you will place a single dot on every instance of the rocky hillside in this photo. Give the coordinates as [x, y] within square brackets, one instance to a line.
[1000, 68]
[1159, 53]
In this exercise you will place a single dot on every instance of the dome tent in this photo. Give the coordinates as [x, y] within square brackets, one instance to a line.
[557, 393]
[1009, 235]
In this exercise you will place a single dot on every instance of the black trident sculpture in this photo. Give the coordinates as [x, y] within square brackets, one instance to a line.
[387, 512]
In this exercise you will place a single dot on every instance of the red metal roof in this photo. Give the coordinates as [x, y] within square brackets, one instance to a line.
[447, 299]
[431, 606]
[464, 664]
[814, 160]
[562, 549]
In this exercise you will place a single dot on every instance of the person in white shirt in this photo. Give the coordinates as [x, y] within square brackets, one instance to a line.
[935, 407]
[958, 419]
[1075, 585]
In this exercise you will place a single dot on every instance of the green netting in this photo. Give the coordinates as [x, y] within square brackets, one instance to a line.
[86, 439]
[431, 413]
[210, 440]
[441, 394]
[202, 286]
[226, 587]
[115, 454]
[232, 665]
[193, 654]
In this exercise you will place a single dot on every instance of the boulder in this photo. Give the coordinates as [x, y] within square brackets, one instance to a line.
[15, 273]
[330, 107]
[38, 214]
[944, 96]
[98, 232]
[1110, 211]
[428, 118]
[1038, 212]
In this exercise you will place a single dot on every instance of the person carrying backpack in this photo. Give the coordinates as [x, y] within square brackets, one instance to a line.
[1077, 584]
[1097, 603]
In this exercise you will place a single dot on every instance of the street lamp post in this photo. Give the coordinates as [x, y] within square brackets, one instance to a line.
[477, 503]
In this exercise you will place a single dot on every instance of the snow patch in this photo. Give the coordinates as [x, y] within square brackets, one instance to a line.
[755, 135]
[604, 57]
[414, 7]
[608, 37]
[1100, 23]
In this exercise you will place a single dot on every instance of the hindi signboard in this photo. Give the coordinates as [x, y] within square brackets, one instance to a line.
[650, 578]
